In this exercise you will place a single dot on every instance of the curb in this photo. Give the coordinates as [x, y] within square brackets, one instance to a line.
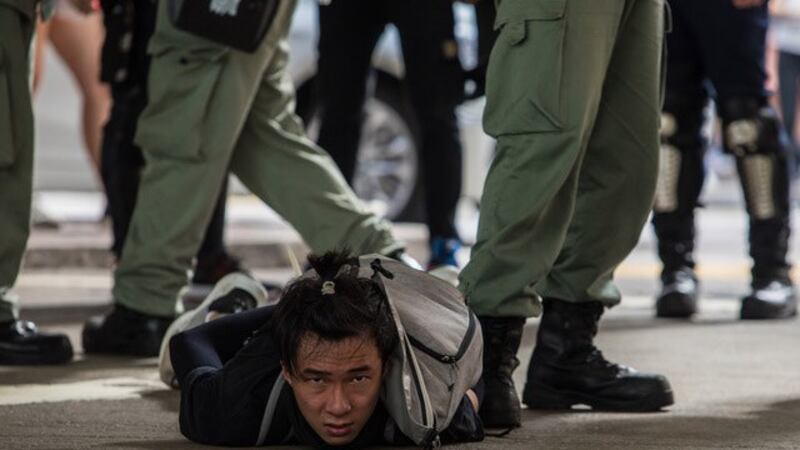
[86, 245]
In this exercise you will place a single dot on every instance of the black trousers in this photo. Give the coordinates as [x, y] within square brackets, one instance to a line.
[716, 50]
[125, 64]
[349, 31]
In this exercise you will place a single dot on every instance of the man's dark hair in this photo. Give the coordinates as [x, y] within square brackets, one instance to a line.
[349, 307]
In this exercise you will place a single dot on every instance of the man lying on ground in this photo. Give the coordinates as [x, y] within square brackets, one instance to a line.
[330, 338]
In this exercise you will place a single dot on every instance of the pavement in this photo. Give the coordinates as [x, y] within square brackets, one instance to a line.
[737, 384]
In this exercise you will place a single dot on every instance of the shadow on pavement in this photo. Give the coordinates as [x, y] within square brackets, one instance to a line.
[168, 400]
[78, 370]
[773, 426]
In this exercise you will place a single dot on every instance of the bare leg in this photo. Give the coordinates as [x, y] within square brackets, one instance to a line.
[78, 40]
[42, 35]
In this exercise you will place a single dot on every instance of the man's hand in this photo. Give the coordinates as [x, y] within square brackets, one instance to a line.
[743, 4]
[473, 399]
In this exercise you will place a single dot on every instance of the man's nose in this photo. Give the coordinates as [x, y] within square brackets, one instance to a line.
[338, 404]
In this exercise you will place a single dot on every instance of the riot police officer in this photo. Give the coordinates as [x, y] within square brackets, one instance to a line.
[20, 341]
[125, 64]
[572, 96]
[717, 50]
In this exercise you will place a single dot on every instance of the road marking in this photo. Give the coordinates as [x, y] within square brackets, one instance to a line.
[120, 388]
[731, 271]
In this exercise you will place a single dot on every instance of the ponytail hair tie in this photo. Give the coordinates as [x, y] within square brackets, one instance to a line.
[328, 288]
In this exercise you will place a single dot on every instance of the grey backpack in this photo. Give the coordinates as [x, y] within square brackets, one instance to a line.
[440, 355]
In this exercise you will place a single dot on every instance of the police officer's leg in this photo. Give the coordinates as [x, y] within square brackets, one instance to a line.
[436, 85]
[544, 88]
[199, 96]
[122, 160]
[752, 132]
[277, 162]
[681, 170]
[680, 180]
[348, 32]
[20, 343]
[616, 184]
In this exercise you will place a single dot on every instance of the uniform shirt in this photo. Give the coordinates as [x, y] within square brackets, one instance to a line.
[225, 391]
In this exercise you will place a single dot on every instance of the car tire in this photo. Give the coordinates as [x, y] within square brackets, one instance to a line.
[390, 137]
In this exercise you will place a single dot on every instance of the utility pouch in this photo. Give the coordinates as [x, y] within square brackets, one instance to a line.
[240, 24]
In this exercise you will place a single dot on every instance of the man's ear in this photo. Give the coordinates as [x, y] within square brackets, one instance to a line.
[285, 373]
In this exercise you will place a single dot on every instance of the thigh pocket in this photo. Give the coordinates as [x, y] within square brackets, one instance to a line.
[523, 82]
[181, 86]
[6, 126]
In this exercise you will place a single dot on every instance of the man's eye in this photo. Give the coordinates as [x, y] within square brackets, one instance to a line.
[316, 380]
[360, 379]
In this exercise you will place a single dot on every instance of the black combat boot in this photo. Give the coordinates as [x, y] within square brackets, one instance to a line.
[501, 339]
[763, 165]
[566, 368]
[772, 295]
[678, 296]
[771, 298]
[22, 344]
[125, 332]
[679, 286]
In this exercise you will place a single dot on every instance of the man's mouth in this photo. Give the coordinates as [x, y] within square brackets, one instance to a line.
[338, 430]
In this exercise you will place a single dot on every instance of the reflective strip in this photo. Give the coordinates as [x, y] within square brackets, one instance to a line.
[758, 172]
[669, 173]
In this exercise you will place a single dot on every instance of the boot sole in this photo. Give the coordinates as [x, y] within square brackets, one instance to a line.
[494, 419]
[540, 396]
[672, 306]
[52, 356]
[756, 314]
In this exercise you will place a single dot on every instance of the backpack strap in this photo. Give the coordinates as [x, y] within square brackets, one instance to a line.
[269, 412]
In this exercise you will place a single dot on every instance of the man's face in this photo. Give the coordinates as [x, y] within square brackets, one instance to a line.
[336, 385]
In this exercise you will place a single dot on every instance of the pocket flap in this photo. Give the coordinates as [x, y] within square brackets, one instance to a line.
[520, 10]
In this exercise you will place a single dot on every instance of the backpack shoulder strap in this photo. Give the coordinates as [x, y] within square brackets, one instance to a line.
[269, 412]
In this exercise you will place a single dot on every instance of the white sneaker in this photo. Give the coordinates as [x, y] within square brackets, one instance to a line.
[209, 310]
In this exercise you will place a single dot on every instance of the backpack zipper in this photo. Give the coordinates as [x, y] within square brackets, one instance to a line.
[448, 359]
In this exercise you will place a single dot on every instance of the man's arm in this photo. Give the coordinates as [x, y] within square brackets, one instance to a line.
[466, 425]
[224, 381]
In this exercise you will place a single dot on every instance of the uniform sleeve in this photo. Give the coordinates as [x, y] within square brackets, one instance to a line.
[224, 383]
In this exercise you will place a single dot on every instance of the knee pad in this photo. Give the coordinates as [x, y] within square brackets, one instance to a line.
[682, 145]
[752, 133]
[750, 127]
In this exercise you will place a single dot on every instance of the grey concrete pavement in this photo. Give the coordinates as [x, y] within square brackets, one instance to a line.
[737, 384]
